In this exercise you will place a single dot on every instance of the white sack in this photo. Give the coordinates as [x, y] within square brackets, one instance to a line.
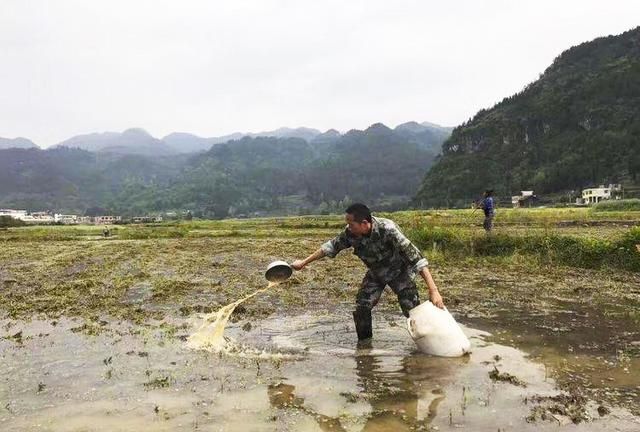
[436, 332]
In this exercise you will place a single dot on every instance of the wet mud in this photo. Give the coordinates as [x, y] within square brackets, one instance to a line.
[301, 372]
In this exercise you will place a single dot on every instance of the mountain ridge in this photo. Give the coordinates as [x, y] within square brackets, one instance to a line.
[185, 142]
[577, 125]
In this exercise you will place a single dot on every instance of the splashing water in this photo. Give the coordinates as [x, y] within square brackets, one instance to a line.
[210, 334]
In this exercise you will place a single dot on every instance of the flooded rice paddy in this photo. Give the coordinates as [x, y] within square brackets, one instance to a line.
[94, 336]
[303, 373]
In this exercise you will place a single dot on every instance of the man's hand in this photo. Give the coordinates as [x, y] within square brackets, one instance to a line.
[436, 299]
[434, 294]
[298, 265]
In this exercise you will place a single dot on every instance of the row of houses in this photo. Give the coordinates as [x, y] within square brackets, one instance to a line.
[71, 219]
[589, 196]
[34, 217]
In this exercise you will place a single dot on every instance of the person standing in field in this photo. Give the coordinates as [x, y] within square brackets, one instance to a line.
[390, 257]
[489, 208]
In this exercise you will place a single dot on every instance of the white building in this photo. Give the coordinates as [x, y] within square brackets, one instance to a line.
[146, 219]
[16, 214]
[525, 199]
[101, 220]
[40, 217]
[65, 219]
[595, 195]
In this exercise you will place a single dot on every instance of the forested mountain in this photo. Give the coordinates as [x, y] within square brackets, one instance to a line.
[64, 179]
[244, 176]
[369, 165]
[376, 165]
[577, 125]
[139, 141]
[188, 143]
[182, 142]
[427, 135]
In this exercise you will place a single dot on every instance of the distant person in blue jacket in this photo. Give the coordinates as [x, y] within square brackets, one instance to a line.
[489, 208]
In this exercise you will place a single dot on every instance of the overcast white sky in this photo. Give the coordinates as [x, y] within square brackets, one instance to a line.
[216, 67]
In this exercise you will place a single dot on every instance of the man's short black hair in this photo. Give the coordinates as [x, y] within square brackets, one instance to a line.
[489, 192]
[360, 212]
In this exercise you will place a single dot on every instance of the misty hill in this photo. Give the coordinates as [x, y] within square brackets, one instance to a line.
[369, 165]
[70, 179]
[261, 174]
[576, 126]
[181, 142]
[6, 143]
[188, 143]
[329, 136]
[377, 165]
[131, 141]
[427, 135]
[138, 141]
[304, 133]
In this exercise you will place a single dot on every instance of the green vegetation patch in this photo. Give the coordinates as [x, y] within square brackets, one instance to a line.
[618, 205]
[546, 247]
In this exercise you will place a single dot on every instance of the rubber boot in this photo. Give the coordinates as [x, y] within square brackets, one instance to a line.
[362, 318]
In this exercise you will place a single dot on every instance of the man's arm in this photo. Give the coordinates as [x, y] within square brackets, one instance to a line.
[420, 264]
[434, 294]
[407, 249]
[330, 249]
[300, 264]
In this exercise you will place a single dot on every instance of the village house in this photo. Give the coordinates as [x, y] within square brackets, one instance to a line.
[65, 219]
[146, 219]
[525, 199]
[35, 217]
[15, 214]
[595, 195]
[104, 220]
[68, 219]
[41, 217]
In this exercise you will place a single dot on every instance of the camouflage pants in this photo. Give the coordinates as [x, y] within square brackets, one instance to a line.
[404, 287]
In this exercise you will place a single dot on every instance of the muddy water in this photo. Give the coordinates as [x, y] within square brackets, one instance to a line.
[580, 345]
[209, 334]
[145, 378]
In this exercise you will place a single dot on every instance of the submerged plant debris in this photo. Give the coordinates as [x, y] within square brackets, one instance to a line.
[496, 375]
[571, 406]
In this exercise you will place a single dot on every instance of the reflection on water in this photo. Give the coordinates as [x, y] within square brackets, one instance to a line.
[579, 344]
[282, 396]
[392, 408]
[389, 386]
[398, 399]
